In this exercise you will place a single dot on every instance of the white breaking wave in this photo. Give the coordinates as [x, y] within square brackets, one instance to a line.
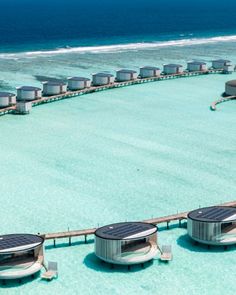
[119, 47]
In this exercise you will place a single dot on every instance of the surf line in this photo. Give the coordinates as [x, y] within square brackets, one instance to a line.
[120, 47]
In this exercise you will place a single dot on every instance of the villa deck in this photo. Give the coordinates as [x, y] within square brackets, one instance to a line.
[20, 268]
[138, 254]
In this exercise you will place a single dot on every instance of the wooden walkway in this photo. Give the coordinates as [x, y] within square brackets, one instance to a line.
[69, 94]
[223, 99]
[88, 232]
[7, 110]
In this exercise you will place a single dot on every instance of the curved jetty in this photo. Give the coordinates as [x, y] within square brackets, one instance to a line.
[111, 85]
[57, 90]
[230, 94]
[223, 99]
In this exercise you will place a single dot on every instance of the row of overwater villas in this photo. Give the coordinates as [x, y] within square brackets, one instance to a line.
[125, 243]
[50, 88]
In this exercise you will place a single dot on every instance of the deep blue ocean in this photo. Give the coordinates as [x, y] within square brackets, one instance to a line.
[49, 24]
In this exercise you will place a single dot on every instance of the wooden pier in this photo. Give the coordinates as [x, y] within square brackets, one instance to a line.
[69, 94]
[223, 99]
[7, 110]
[88, 232]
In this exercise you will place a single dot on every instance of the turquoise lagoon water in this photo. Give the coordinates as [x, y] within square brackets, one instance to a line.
[123, 154]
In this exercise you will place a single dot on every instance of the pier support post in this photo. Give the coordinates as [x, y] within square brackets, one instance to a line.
[180, 225]
[167, 224]
[54, 243]
[85, 239]
[69, 241]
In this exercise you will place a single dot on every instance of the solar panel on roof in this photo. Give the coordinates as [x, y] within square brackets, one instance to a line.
[130, 231]
[223, 215]
[14, 241]
[2, 94]
[216, 214]
[123, 230]
[211, 214]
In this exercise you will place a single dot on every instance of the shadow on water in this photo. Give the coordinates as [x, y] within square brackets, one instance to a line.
[172, 226]
[187, 243]
[93, 262]
[41, 78]
[6, 284]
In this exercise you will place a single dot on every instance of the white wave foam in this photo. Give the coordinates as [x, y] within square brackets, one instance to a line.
[119, 47]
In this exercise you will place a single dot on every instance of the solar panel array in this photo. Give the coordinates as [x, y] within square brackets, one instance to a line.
[125, 230]
[12, 241]
[216, 213]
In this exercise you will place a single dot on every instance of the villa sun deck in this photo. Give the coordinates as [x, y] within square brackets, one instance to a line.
[20, 268]
[228, 235]
[138, 254]
[166, 253]
[52, 271]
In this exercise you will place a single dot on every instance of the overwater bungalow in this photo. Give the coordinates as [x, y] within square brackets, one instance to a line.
[220, 63]
[100, 79]
[7, 99]
[126, 75]
[21, 255]
[172, 69]
[230, 88]
[196, 66]
[77, 83]
[224, 64]
[149, 71]
[126, 243]
[213, 225]
[28, 93]
[54, 88]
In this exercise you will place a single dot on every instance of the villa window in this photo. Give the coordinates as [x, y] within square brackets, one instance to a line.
[6, 258]
[130, 244]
